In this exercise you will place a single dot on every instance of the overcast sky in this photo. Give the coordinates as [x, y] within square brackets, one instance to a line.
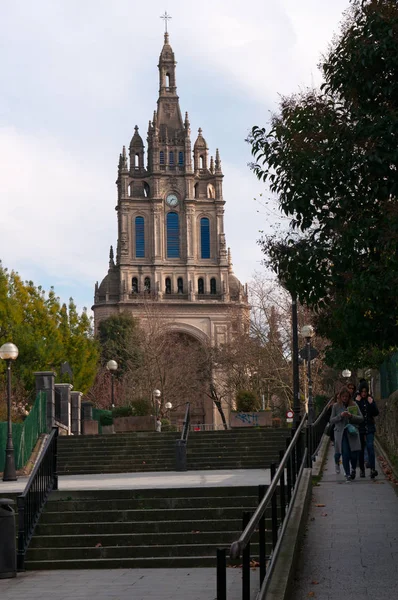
[77, 75]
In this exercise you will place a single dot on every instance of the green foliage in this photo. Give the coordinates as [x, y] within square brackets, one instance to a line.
[247, 401]
[46, 332]
[167, 426]
[331, 158]
[106, 418]
[141, 407]
[119, 339]
[122, 411]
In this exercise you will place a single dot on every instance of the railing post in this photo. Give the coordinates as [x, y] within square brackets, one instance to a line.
[261, 537]
[21, 534]
[282, 491]
[289, 474]
[274, 510]
[246, 563]
[221, 574]
[55, 460]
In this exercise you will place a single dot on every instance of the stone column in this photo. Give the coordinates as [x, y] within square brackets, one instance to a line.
[76, 399]
[89, 426]
[45, 381]
[65, 417]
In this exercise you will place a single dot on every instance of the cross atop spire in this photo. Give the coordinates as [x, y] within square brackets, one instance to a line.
[165, 18]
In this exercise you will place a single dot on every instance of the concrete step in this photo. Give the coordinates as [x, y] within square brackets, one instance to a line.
[159, 562]
[143, 514]
[148, 503]
[123, 552]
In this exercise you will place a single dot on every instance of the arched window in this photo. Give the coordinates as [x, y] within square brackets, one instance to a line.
[136, 160]
[161, 157]
[134, 285]
[181, 158]
[171, 158]
[196, 190]
[205, 237]
[146, 190]
[180, 285]
[168, 285]
[213, 286]
[139, 237]
[173, 235]
[167, 80]
[147, 284]
[201, 162]
[201, 286]
[130, 190]
[211, 193]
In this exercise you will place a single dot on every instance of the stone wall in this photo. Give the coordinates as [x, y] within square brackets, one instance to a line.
[387, 424]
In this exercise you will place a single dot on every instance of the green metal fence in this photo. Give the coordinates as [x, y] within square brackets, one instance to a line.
[389, 376]
[25, 435]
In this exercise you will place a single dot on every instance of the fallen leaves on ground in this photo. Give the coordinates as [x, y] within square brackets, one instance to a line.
[314, 582]
[320, 505]
[388, 472]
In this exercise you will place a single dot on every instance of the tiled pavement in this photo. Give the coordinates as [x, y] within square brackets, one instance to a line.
[350, 550]
[120, 584]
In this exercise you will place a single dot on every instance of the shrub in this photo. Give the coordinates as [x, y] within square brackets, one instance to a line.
[141, 407]
[247, 401]
[167, 426]
[122, 411]
[106, 419]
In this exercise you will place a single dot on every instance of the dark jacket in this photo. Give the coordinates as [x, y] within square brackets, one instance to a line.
[369, 411]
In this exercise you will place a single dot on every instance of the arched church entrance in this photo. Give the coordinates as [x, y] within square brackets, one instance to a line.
[187, 377]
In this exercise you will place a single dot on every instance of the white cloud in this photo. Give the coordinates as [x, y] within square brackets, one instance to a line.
[77, 76]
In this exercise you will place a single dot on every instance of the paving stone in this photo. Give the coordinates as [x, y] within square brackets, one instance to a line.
[358, 536]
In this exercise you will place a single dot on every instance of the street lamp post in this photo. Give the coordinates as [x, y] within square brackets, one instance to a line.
[9, 352]
[111, 365]
[156, 395]
[295, 365]
[308, 333]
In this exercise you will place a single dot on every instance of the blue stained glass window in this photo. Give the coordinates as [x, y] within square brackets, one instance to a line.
[161, 157]
[139, 237]
[171, 158]
[181, 158]
[173, 235]
[205, 237]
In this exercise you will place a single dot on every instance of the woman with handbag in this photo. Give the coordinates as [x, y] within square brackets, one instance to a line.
[345, 416]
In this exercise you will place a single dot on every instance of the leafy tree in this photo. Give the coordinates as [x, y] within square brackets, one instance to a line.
[46, 333]
[331, 157]
[119, 339]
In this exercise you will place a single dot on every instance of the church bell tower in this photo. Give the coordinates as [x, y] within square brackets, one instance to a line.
[171, 248]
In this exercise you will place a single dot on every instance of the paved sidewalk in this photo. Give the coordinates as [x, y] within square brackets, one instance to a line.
[163, 479]
[351, 546]
[120, 584]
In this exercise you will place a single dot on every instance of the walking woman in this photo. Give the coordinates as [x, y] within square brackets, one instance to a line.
[367, 429]
[345, 416]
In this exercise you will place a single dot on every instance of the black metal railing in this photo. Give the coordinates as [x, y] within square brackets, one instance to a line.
[278, 499]
[31, 502]
[181, 444]
[317, 430]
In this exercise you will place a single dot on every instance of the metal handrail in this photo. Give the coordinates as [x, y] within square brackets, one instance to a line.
[241, 543]
[187, 420]
[324, 411]
[31, 502]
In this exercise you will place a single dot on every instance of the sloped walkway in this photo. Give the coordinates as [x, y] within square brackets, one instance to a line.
[351, 546]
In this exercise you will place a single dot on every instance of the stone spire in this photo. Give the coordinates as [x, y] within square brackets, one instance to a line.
[111, 258]
[218, 163]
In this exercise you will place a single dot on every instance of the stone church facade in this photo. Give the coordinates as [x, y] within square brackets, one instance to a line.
[171, 248]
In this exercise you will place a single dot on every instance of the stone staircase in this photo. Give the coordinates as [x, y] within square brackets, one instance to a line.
[134, 529]
[150, 451]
